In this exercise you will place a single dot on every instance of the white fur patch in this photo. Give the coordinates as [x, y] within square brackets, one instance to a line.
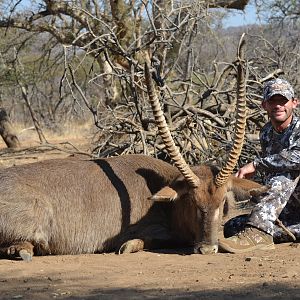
[216, 215]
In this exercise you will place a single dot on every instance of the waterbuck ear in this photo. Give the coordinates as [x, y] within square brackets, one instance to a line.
[258, 191]
[243, 188]
[164, 195]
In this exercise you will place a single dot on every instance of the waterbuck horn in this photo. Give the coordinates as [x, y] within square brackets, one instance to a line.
[165, 133]
[241, 116]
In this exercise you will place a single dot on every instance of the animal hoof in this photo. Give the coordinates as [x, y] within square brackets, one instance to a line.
[25, 255]
[131, 246]
[23, 250]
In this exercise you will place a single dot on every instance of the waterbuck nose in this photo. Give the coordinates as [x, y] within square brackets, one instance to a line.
[206, 249]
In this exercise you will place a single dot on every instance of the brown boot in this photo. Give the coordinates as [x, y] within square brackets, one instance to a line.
[248, 240]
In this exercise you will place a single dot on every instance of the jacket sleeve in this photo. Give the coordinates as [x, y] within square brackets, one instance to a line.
[286, 160]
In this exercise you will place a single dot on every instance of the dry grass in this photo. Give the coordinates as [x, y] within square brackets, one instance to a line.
[72, 137]
[79, 134]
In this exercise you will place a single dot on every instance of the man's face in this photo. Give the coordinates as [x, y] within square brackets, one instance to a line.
[279, 108]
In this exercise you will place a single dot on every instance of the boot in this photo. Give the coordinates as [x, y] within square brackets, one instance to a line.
[249, 239]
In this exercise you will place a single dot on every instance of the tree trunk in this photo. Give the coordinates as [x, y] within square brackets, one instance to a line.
[232, 4]
[7, 131]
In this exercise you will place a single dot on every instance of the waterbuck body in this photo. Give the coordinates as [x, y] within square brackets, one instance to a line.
[72, 206]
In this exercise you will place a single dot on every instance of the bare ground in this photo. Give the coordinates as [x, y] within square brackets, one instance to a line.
[152, 275]
[149, 275]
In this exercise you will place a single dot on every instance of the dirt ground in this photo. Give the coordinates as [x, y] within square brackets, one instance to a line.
[162, 274]
[149, 275]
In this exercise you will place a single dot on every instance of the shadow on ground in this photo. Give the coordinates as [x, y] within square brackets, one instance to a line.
[266, 292]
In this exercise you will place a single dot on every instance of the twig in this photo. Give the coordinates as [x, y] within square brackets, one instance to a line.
[286, 230]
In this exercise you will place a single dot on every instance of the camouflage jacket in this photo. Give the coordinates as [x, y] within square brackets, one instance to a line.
[280, 151]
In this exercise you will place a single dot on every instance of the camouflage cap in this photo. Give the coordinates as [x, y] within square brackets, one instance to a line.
[278, 86]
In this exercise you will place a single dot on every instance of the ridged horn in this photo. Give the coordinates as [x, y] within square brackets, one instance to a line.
[241, 117]
[165, 133]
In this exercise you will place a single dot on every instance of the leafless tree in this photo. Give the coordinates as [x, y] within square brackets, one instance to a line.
[279, 10]
[97, 50]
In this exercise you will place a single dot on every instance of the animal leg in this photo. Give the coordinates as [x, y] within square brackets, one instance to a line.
[148, 243]
[22, 249]
[147, 236]
[131, 246]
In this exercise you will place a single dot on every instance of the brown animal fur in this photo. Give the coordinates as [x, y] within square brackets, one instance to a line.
[73, 206]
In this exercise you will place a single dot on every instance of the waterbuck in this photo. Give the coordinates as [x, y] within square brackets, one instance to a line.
[126, 203]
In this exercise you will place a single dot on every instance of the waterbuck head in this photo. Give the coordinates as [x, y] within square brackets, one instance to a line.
[200, 191]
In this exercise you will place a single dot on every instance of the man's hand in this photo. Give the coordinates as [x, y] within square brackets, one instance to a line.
[246, 171]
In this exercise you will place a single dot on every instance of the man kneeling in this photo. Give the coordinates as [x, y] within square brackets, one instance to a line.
[280, 162]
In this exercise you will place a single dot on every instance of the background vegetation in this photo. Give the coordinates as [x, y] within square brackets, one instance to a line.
[76, 61]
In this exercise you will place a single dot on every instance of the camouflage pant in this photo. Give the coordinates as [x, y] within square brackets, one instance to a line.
[281, 201]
